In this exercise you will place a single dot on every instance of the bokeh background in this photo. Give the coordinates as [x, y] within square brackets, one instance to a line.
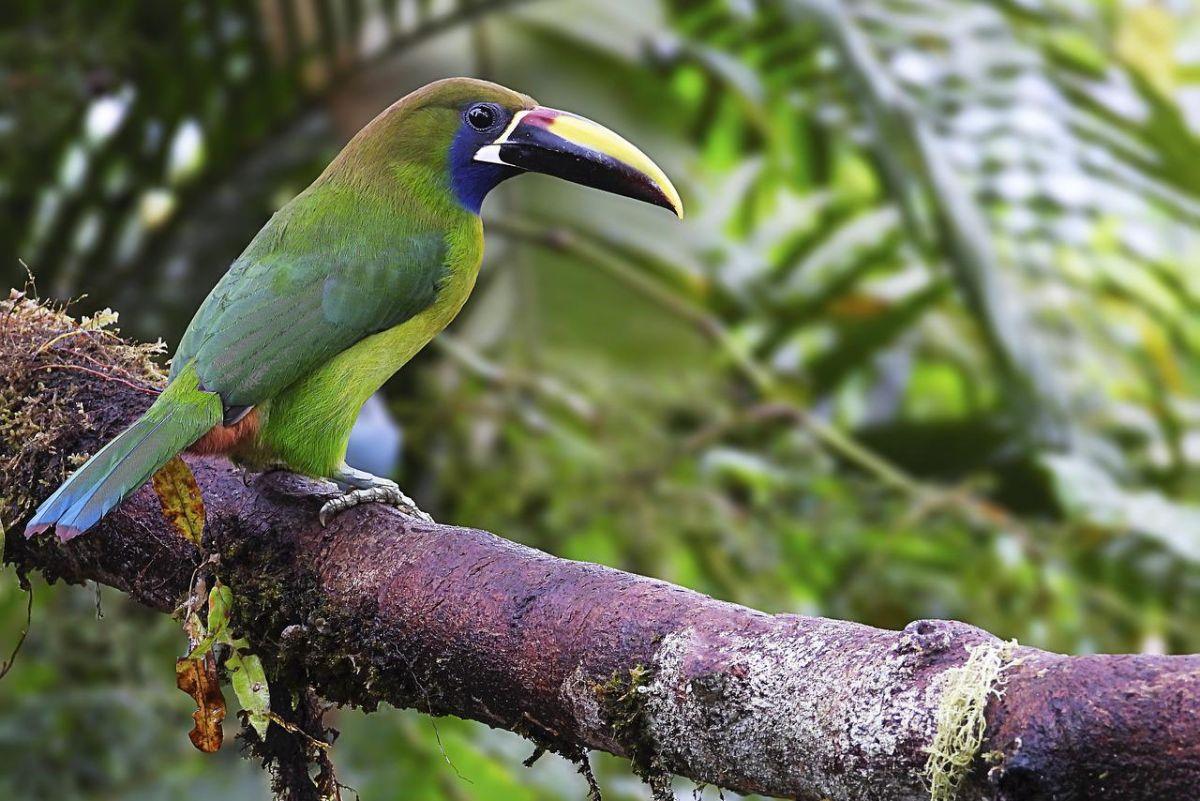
[926, 345]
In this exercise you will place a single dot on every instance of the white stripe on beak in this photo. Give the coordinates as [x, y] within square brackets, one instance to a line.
[491, 153]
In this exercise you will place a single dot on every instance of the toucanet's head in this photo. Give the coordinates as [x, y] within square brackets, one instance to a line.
[496, 140]
[484, 133]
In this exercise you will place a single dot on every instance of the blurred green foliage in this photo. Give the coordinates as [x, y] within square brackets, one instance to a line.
[925, 347]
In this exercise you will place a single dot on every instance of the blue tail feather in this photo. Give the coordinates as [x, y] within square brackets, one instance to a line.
[123, 465]
[90, 505]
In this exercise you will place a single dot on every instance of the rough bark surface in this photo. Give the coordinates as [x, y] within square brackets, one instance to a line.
[379, 608]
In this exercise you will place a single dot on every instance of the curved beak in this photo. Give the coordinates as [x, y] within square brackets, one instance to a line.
[576, 149]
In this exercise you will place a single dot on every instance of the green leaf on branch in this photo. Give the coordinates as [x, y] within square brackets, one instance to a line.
[250, 686]
[245, 669]
[220, 608]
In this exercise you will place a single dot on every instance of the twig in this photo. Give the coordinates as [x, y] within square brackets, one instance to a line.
[294, 729]
[7, 666]
[98, 374]
[475, 363]
[74, 332]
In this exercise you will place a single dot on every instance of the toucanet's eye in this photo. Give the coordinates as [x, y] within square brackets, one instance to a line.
[481, 116]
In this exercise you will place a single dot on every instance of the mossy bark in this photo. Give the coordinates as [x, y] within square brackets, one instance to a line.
[378, 608]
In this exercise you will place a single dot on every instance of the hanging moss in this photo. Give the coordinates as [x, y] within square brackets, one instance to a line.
[622, 700]
[960, 718]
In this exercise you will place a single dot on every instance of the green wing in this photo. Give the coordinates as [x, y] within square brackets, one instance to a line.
[325, 272]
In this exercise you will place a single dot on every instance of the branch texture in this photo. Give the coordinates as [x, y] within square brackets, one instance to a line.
[378, 608]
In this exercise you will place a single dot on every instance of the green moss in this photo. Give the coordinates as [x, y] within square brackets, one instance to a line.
[622, 699]
[48, 361]
[286, 608]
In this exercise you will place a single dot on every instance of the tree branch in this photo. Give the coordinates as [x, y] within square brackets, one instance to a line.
[377, 608]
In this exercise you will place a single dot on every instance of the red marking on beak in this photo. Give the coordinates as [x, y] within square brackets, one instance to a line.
[540, 117]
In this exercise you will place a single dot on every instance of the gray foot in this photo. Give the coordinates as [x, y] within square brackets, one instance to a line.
[365, 488]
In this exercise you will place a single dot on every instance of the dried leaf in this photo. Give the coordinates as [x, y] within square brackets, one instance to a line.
[198, 678]
[250, 685]
[182, 503]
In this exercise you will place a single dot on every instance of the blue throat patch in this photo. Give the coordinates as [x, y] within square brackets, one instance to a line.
[471, 180]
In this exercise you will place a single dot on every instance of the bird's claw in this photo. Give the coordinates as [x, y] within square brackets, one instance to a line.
[389, 494]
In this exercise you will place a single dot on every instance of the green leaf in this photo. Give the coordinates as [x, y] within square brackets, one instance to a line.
[245, 669]
[1089, 494]
[250, 686]
[1077, 50]
[220, 608]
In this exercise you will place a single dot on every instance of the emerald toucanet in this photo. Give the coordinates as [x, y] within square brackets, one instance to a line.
[344, 285]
